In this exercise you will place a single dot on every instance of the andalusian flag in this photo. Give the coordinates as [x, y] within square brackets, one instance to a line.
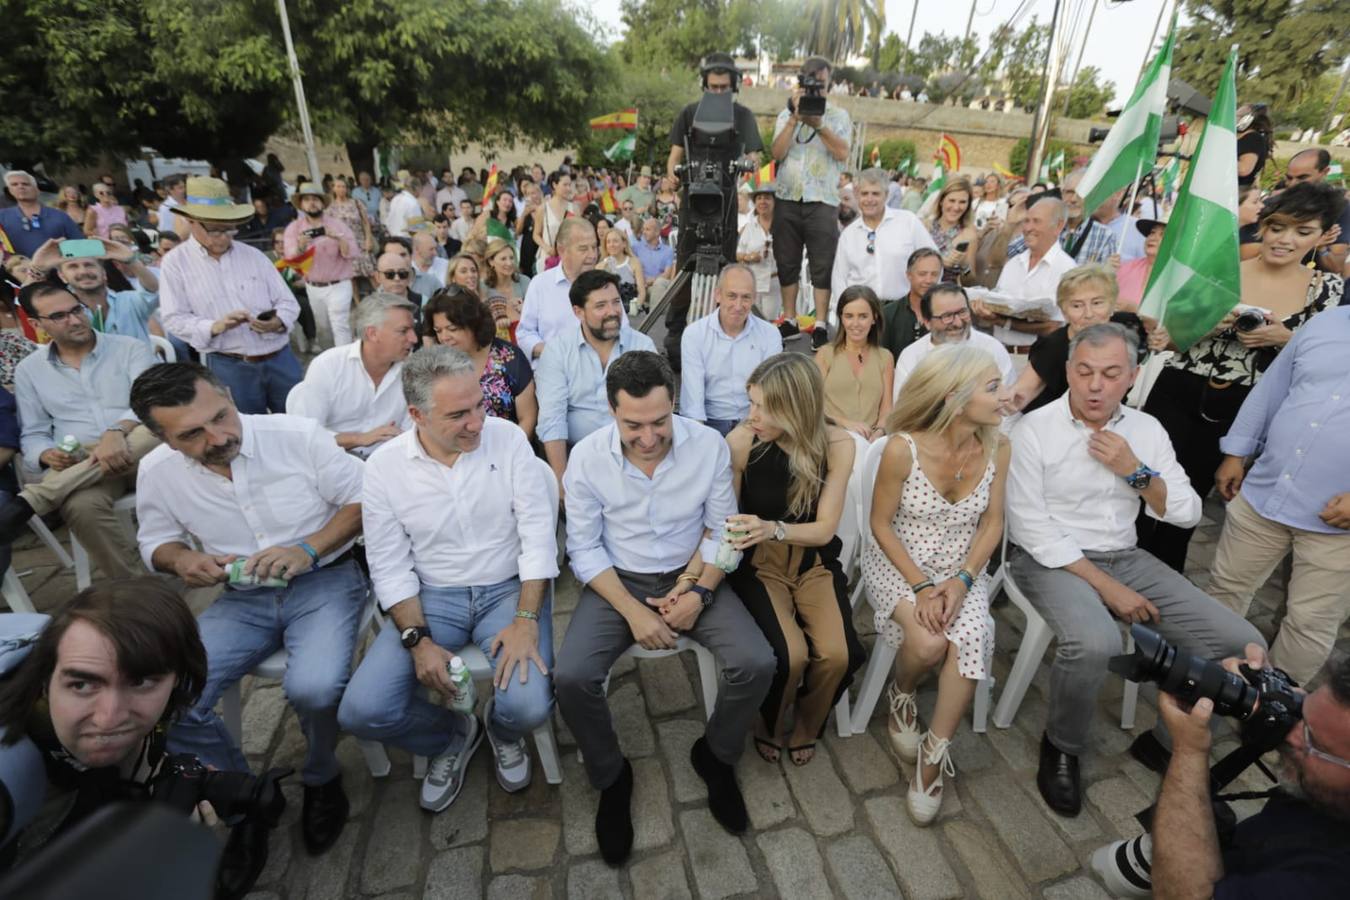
[948, 153]
[939, 179]
[624, 118]
[1170, 175]
[1132, 144]
[623, 148]
[1194, 282]
[1056, 162]
[1335, 172]
[907, 167]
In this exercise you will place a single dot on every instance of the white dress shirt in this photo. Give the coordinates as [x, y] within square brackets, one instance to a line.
[916, 352]
[339, 394]
[619, 518]
[196, 289]
[1039, 283]
[439, 269]
[1062, 502]
[404, 211]
[546, 311]
[755, 238]
[288, 481]
[898, 235]
[481, 521]
[716, 365]
[452, 194]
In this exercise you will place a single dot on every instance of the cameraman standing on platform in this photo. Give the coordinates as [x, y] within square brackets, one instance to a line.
[811, 151]
[720, 76]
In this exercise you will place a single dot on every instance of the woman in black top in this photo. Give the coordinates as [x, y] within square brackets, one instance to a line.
[790, 470]
[1254, 141]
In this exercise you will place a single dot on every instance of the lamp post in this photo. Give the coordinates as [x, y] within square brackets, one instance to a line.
[315, 175]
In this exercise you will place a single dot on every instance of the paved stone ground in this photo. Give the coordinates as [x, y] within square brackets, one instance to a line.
[835, 828]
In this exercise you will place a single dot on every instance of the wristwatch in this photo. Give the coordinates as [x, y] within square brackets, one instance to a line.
[779, 531]
[1141, 477]
[704, 595]
[410, 636]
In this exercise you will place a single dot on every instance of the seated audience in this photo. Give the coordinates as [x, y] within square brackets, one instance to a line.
[571, 378]
[547, 311]
[790, 470]
[858, 371]
[935, 530]
[647, 497]
[426, 262]
[504, 286]
[719, 351]
[1080, 467]
[1085, 239]
[457, 318]
[459, 534]
[620, 260]
[394, 275]
[945, 311]
[902, 320]
[354, 390]
[275, 494]
[109, 312]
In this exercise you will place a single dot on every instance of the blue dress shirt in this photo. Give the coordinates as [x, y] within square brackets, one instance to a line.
[570, 383]
[714, 366]
[1296, 421]
[28, 234]
[655, 260]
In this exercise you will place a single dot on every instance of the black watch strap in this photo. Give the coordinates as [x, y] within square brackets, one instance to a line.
[410, 637]
[703, 594]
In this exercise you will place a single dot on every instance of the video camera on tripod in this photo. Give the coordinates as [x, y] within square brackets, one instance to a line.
[712, 149]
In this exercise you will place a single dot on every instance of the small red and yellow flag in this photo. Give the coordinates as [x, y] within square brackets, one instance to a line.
[301, 262]
[767, 172]
[624, 118]
[491, 184]
[5, 244]
[609, 204]
[948, 153]
[1005, 173]
[876, 155]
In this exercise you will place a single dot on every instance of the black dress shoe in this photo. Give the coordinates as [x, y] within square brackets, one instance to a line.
[244, 859]
[724, 796]
[1149, 751]
[14, 516]
[614, 818]
[324, 814]
[1058, 780]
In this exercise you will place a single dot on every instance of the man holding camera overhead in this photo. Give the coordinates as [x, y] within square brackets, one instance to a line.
[810, 142]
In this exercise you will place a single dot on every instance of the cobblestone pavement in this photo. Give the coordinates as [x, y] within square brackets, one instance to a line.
[834, 828]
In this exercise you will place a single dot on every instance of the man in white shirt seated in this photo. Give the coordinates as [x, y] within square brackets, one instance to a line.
[1032, 275]
[641, 494]
[1080, 467]
[875, 247]
[460, 540]
[547, 310]
[719, 351]
[354, 390]
[945, 310]
[275, 493]
[570, 379]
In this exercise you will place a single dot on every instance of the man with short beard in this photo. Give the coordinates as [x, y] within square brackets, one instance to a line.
[328, 281]
[945, 311]
[570, 377]
[112, 312]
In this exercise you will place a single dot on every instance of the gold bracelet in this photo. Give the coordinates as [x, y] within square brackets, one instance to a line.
[687, 576]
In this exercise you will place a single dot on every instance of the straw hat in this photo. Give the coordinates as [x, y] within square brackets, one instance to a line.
[310, 189]
[209, 200]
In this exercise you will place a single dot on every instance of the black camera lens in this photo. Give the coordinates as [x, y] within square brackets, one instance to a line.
[1186, 677]
[1249, 320]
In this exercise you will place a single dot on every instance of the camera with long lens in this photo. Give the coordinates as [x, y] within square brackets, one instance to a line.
[1264, 701]
[183, 782]
[811, 103]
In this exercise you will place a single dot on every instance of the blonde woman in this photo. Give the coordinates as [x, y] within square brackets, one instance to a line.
[789, 469]
[953, 231]
[619, 260]
[71, 202]
[937, 515]
[504, 283]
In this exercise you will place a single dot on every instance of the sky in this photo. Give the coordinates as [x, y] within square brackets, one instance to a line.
[1116, 45]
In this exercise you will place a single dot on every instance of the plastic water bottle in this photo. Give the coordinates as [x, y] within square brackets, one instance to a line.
[236, 574]
[464, 699]
[71, 444]
[728, 557]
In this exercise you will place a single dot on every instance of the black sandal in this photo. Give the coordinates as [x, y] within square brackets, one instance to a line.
[764, 746]
[791, 750]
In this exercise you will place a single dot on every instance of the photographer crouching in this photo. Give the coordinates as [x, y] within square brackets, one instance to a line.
[88, 697]
[1298, 845]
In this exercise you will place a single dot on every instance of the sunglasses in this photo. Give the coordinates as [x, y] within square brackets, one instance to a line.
[400, 274]
[871, 242]
[78, 312]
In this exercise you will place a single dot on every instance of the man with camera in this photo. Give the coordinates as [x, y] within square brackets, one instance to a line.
[328, 281]
[810, 142]
[85, 705]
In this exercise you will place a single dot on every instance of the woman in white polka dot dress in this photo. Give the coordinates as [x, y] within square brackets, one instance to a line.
[937, 515]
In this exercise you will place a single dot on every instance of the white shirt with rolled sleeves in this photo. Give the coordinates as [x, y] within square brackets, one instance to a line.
[714, 366]
[915, 353]
[481, 521]
[619, 518]
[288, 480]
[1062, 502]
[898, 235]
[196, 289]
[339, 394]
[1019, 279]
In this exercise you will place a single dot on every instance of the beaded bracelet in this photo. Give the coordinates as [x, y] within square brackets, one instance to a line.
[527, 614]
[922, 585]
[966, 578]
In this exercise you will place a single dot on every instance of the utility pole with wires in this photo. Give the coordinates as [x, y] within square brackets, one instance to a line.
[1073, 73]
[909, 38]
[301, 108]
[1040, 133]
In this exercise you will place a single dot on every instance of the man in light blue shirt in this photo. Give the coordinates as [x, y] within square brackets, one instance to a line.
[570, 378]
[719, 351]
[114, 312]
[657, 256]
[647, 497]
[367, 194]
[1296, 496]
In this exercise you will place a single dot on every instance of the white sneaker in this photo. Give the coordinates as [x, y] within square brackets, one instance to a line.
[512, 758]
[445, 771]
[903, 726]
[925, 802]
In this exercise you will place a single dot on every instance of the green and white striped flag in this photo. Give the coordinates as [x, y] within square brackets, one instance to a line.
[1194, 282]
[1335, 172]
[623, 148]
[1170, 175]
[939, 179]
[1132, 144]
[1056, 162]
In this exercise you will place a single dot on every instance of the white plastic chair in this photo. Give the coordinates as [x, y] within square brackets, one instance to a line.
[24, 475]
[15, 596]
[125, 507]
[850, 557]
[1035, 640]
[883, 654]
[164, 348]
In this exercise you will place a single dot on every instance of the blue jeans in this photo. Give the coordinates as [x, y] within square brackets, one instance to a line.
[258, 387]
[383, 703]
[315, 618]
[723, 426]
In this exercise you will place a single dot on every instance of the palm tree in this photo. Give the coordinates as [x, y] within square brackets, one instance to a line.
[840, 28]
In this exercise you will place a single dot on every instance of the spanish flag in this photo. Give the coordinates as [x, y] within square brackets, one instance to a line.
[624, 118]
[949, 153]
[490, 186]
[300, 263]
[1006, 173]
[609, 204]
[767, 172]
[5, 245]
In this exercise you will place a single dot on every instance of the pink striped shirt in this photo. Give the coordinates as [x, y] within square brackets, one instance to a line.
[195, 290]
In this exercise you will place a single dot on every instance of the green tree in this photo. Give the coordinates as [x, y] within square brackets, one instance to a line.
[659, 95]
[1315, 108]
[682, 32]
[1025, 63]
[1285, 47]
[1088, 97]
[783, 30]
[892, 49]
[839, 28]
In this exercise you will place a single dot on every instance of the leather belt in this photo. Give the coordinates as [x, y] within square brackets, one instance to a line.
[1018, 349]
[324, 283]
[249, 359]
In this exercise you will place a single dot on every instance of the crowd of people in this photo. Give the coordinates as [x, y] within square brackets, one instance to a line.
[387, 395]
